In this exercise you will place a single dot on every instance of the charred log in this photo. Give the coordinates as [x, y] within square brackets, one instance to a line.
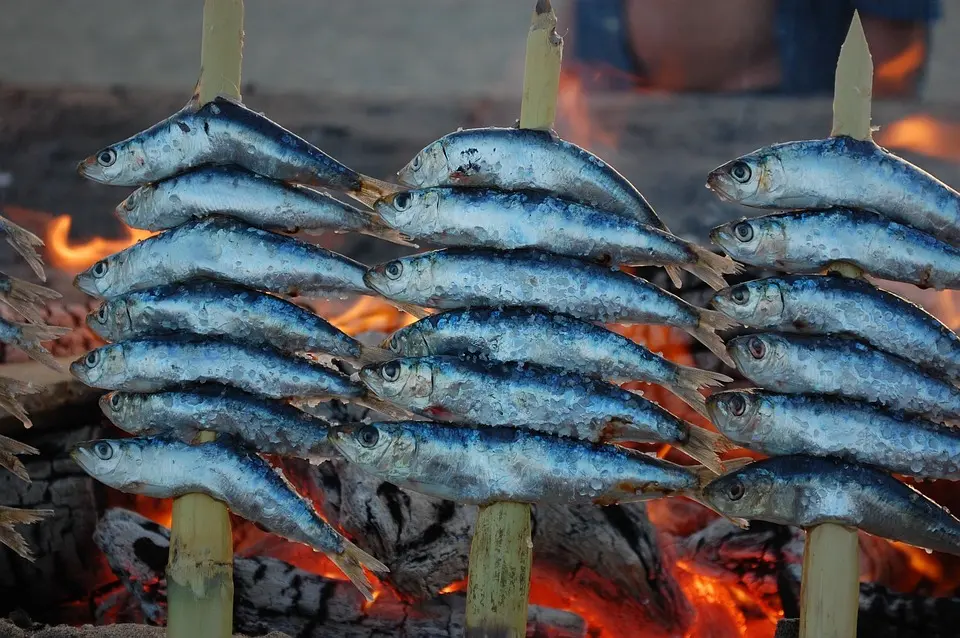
[271, 595]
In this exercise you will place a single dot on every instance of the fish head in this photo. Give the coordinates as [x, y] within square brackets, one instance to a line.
[409, 341]
[389, 449]
[401, 279]
[406, 210]
[138, 209]
[410, 377]
[753, 179]
[744, 239]
[738, 414]
[100, 278]
[101, 368]
[754, 303]
[429, 166]
[118, 463]
[760, 355]
[111, 320]
[123, 409]
[749, 493]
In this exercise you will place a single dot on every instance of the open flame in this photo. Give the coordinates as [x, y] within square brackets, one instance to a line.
[71, 256]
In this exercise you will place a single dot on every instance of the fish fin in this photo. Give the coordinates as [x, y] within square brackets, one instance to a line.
[10, 389]
[742, 523]
[351, 562]
[372, 354]
[676, 278]
[711, 267]
[31, 334]
[693, 398]
[10, 537]
[379, 228]
[706, 335]
[412, 309]
[28, 299]
[193, 104]
[25, 243]
[383, 407]
[703, 445]
[690, 380]
[9, 448]
[372, 189]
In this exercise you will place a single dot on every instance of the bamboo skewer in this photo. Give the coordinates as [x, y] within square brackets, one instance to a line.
[830, 586]
[501, 552]
[200, 568]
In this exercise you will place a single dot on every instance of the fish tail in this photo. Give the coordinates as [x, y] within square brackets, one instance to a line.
[373, 354]
[383, 407]
[9, 448]
[25, 243]
[378, 228]
[10, 516]
[673, 272]
[688, 382]
[29, 299]
[10, 389]
[373, 189]
[710, 267]
[351, 562]
[704, 446]
[31, 334]
[706, 333]
[411, 309]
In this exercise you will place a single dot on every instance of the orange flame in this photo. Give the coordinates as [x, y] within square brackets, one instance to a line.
[370, 314]
[74, 257]
[922, 133]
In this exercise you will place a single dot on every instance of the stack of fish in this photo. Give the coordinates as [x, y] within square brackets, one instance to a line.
[537, 228]
[856, 379]
[26, 299]
[201, 335]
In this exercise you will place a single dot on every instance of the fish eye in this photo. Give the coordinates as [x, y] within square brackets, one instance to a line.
[103, 449]
[368, 436]
[100, 268]
[740, 294]
[92, 359]
[757, 348]
[743, 231]
[738, 405]
[394, 345]
[402, 201]
[736, 490]
[740, 172]
[417, 161]
[106, 157]
[393, 270]
[102, 313]
[390, 371]
[115, 401]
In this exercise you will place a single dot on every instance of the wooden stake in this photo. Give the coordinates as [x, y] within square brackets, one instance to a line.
[830, 587]
[200, 568]
[501, 552]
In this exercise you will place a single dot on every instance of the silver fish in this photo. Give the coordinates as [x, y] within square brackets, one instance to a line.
[252, 198]
[27, 337]
[521, 159]
[809, 242]
[484, 465]
[779, 424]
[549, 400]
[150, 365]
[488, 218]
[25, 243]
[166, 468]
[223, 131]
[226, 250]
[808, 491]
[800, 364]
[10, 516]
[536, 336]
[26, 298]
[462, 277]
[218, 309]
[844, 306]
[10, 392]
[841, 171]
[270, 427]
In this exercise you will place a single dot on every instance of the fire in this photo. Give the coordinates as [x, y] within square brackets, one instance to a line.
[74, 257]
[573, 115]
[925, 134]
[369, 314]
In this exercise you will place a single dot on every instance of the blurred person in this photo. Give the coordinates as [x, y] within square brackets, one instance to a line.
[785, 47]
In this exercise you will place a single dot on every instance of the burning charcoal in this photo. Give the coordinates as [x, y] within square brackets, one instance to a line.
[271, 595]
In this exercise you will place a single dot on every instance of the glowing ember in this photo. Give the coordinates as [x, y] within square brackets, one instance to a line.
[74, 257]
[369, 314]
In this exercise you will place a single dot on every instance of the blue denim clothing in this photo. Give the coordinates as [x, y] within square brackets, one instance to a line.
[809, 32]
